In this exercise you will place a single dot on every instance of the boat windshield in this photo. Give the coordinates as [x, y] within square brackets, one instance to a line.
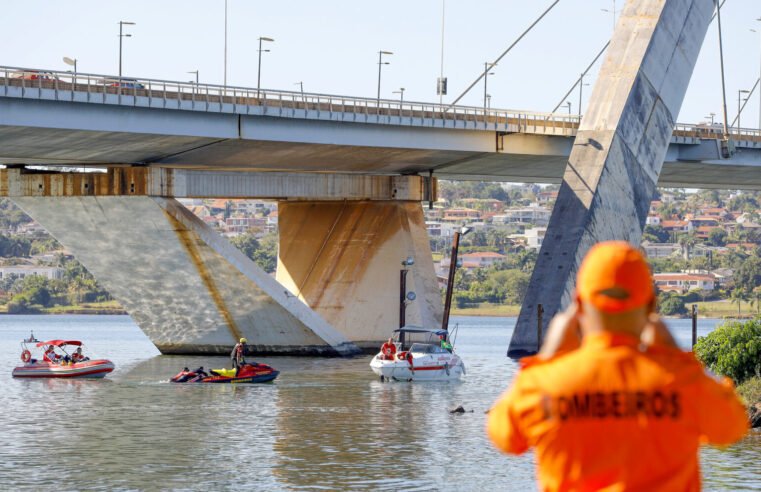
[426, 348]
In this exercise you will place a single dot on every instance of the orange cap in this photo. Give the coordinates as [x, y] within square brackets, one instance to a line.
[615, 277]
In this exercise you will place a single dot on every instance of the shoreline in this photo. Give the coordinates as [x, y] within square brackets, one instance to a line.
[473, 312]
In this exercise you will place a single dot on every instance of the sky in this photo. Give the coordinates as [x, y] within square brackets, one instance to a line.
[332, 46]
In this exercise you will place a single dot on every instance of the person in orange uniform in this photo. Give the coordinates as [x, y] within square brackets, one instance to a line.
[388, 350]
[610, 402]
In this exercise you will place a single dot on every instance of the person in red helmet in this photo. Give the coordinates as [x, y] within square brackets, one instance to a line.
[611, 402]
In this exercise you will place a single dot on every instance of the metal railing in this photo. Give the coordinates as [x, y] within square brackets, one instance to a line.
[170, 94]
[98, 88]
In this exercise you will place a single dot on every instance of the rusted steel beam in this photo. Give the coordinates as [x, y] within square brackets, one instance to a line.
[183, 183]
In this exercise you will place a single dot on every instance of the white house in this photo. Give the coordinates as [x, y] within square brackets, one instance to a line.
[22, 271]
[683, 282]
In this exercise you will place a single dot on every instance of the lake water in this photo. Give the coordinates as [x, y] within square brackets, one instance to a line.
[324, 424]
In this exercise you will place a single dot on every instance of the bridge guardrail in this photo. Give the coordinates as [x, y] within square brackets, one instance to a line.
[235, 99]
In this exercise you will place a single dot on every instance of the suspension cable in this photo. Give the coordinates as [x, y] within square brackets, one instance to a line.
[721, 60]
[581, 78]
[488, 67]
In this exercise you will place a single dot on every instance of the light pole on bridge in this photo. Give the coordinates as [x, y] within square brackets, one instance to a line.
[401, 94]
[259, 69]
[568, 103]
[739, 106]
[581, 92]
[487, 66]
[73, 63]
[122, 36]
[192, 72]
[380, 65]
[759, 92]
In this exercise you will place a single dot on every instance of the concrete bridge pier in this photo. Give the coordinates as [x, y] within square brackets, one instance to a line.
[343, 258]
[187, 288]
[619, 150]
[191, 291]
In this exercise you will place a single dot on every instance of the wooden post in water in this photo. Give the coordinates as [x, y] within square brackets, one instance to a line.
[539, 313]
[694, 325]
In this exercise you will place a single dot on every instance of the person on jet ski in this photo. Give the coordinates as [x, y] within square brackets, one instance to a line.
[201, 372]
[238, 354]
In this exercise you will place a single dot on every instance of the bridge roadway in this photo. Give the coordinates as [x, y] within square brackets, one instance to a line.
[50, 117]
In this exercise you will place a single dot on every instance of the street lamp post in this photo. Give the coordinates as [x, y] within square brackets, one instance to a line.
[712, 116]
[195, 90]
[259, 69]
[380, 65]
[739, 107]
[72, 62]
[759, 93]
[121, 36]
[612, 12]
[401, 94]
[568, 103]
[487, 66]
[581, 93]
[301, 87]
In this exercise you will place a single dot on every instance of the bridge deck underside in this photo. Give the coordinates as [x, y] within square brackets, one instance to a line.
[50, 132]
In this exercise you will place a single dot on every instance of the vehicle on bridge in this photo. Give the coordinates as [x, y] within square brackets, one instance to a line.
[247, 373]
[123, 83]
[33, 75]
[419, 357]
[57, 362]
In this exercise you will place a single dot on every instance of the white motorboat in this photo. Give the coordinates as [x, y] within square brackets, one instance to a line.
[418, 355]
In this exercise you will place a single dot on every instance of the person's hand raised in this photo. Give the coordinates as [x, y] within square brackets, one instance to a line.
[563, 334]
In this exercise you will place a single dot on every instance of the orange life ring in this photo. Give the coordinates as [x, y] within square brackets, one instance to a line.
[26, 356]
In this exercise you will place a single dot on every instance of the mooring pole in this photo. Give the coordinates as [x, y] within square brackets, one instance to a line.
[402, 297]
[539, 313]
[694, 325]
[450, 280]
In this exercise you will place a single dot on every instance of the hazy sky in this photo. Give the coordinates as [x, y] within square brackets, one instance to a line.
[332, 46]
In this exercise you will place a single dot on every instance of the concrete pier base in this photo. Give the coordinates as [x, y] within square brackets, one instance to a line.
[619, 150]
[186, 287]
[344, 259]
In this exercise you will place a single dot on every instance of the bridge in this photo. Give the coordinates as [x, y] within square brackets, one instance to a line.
[54, 117]
[349, 174]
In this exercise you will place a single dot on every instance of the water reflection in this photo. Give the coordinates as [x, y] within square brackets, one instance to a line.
[324, 423]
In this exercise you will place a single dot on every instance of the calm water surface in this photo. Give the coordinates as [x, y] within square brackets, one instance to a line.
[324, 424]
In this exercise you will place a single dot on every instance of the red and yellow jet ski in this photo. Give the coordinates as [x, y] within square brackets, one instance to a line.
[247, 373]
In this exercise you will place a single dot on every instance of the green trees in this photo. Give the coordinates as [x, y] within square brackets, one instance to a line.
[655, 234]
[733, 350]
[670, 304]
[490, 285]
[263, 252]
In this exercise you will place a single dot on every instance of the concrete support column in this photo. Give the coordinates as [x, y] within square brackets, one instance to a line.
[186, 287]
[343, 260]
[619, 150]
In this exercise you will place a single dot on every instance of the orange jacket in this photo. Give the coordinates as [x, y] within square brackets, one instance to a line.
[611, 417]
